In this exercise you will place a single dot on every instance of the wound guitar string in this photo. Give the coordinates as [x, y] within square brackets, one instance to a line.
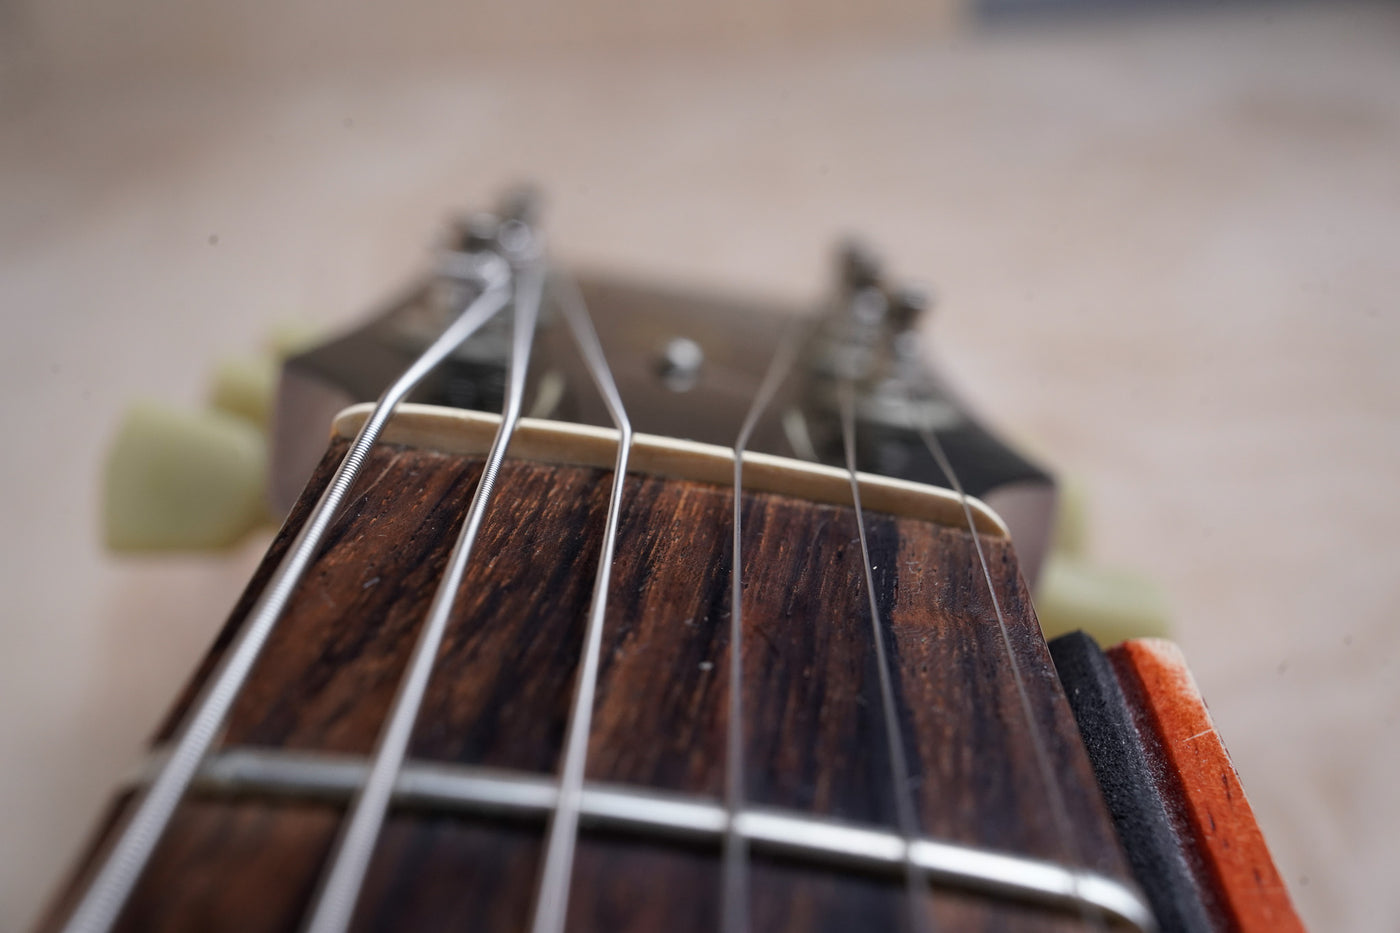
[734, 916]
[340, 886]
[105, 895]
[551, 901]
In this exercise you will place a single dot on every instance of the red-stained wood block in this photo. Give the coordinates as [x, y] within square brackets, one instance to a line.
[1198, 778]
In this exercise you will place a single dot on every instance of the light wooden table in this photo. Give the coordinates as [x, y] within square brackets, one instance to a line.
[1168, 249]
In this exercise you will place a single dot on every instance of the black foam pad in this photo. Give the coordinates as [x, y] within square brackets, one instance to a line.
[1125, 777]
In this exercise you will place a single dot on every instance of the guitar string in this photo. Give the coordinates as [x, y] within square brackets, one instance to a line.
[551, 899]
[1058, 808]
[485, 306]
[735, 894]
[339, 890]
[107, 893]
[904, 799]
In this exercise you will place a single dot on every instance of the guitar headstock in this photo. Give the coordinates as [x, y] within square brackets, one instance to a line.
[687, 364]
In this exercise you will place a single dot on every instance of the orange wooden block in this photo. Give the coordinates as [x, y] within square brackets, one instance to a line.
[1201, 782]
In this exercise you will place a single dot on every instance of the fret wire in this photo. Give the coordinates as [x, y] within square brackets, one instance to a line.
[1058, 808]
[904, 804]
[121, 868]
[438, 786]
[551, 900]
[340, 885]
[735, 894]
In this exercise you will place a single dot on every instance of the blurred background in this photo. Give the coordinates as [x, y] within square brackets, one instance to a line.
[1167, 237]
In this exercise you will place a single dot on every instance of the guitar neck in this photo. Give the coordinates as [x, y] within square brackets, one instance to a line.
[299, 739]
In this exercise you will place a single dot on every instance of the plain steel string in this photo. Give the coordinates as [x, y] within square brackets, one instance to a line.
[904, 802]
[1058, 808]
[551, 901]
[340, 885]
[736, 890]
[105, 896]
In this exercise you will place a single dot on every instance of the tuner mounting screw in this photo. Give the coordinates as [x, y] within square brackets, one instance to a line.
[680, 363]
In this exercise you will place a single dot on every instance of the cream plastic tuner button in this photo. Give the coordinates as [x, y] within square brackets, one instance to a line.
[183, 480]
[1109, 603]
[245, 386]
